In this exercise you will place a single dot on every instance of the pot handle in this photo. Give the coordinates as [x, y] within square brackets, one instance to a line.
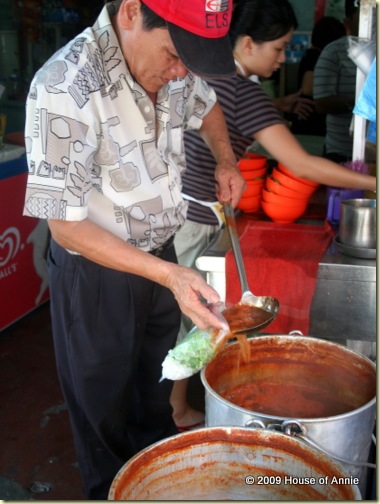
[296, 429]
[254, 423]
[331, 206]
[296, 332]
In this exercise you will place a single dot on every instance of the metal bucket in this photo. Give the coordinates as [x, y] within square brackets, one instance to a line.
[357, 227]
[232, 463]
[306, 387]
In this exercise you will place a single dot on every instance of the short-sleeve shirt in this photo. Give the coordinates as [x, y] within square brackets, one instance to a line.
[247, 109]
[98, 148]
[335, 75]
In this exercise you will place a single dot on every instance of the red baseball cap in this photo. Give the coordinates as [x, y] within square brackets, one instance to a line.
[199, 31]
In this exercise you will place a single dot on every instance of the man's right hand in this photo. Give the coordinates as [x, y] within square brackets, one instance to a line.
[189, 288]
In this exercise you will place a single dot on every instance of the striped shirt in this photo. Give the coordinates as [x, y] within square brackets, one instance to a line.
[335, 75]
[247, 110]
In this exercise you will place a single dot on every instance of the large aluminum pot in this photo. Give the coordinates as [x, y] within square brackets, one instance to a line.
[232, 464]
[357, 227]
[307, 387]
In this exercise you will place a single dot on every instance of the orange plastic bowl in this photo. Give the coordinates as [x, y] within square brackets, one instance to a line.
[257, 182]
[253, 155]
[277, 188]
[272, 197]
[254, 174]
[291, 183]
[286, 171]
[250, 205]
[251, 162]
[283, 214]
[252, 190]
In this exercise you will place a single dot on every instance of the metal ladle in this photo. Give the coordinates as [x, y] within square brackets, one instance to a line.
[266, 303]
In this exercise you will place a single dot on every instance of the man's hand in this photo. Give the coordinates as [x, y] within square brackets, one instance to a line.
[295, 104]
[189, 288]
[229, 183]
[102, 247]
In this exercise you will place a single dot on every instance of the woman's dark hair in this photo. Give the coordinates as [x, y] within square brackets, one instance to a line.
[150, 19]
[262, 20]
[326, 30]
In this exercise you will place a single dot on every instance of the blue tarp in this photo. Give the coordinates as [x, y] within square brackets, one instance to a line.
[365, 105]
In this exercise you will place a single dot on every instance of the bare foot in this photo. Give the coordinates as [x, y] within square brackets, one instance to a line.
[188, 417]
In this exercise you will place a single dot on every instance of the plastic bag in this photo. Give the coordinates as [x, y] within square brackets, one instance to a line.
[365, 105]
[195, 350]
[362, 52]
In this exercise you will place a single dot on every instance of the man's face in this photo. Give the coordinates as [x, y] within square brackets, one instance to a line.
[151, 56]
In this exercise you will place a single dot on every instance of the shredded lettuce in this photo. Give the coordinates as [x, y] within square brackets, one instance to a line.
[192, 353]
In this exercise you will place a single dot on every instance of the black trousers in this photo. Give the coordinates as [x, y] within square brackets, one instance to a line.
[111, 333]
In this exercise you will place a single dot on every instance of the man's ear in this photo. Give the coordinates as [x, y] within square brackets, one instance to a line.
[129, 12]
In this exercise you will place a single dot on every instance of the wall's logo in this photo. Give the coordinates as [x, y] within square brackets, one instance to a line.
[216, 5]
[9, 245]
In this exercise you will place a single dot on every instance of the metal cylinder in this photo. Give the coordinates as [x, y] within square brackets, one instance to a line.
[357, 227]
[328, 390]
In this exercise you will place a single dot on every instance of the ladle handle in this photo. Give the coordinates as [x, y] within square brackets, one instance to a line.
[232, 231]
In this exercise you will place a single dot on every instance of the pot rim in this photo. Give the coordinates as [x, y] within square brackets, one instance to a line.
[265, 416]
[209, 433]
[360, 203]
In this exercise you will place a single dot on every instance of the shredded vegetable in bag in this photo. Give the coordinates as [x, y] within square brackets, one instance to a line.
[193, 352]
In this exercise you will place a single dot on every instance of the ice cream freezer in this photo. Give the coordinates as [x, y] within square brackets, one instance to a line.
[344, 301]
[23, 243]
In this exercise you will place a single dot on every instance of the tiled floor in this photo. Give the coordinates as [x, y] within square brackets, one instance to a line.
[37, 457]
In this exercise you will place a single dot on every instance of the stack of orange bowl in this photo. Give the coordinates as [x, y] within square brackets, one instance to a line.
[286, 196]
[253, 168]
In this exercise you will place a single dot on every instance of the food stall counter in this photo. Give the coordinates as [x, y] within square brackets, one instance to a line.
[344, 300]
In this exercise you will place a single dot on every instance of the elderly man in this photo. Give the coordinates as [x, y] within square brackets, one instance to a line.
[104, 135]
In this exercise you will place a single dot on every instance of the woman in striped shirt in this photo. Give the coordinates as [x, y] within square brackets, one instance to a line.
[260, 32]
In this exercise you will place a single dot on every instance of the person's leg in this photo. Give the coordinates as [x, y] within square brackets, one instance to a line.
[184, 416]
[99, 319]
[189, 243]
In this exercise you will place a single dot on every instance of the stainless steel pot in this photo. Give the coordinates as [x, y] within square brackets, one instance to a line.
[303, 386]
[357, 227]
[232, 464]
